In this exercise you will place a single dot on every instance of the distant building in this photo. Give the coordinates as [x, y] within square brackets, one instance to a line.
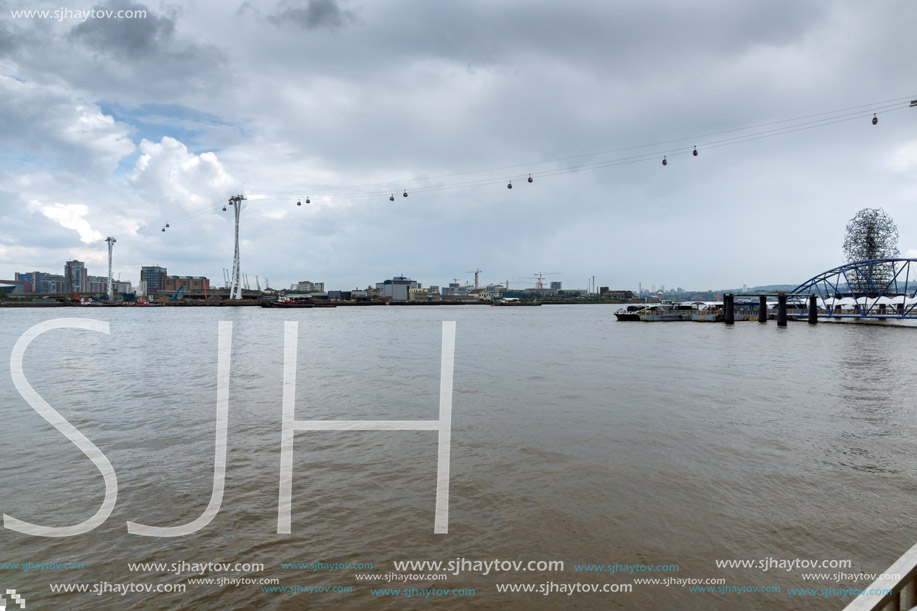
[308, 287]
[192, 284]
[427, 295]
[398, 288]
[605, 292]
[494, 291]
[543, 292]
[43, 282]
[96, 284]
[154, 277]
[74, 280]
[14, 287]
[75, 277]
[122, 287]
[556, 286]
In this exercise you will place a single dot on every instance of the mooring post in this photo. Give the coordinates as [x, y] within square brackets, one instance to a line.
[781, 309]
[813, 309]
[762, 308]
[729, 315]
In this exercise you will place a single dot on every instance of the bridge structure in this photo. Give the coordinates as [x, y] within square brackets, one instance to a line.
[873, 289]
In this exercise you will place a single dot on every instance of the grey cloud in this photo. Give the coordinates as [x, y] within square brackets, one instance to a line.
[8, 40]
[133, 61]
[131, 36]
[150, 56]
[413, 88]
[315, 14]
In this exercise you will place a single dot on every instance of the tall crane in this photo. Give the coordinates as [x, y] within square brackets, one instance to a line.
[539, 278]
[475, 272]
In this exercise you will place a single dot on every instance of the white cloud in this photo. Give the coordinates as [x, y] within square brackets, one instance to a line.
[71, 216]
[167, 170]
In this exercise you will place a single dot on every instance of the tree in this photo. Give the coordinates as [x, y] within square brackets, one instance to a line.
[871, 234]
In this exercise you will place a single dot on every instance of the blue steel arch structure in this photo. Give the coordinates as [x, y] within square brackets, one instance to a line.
[876, 288]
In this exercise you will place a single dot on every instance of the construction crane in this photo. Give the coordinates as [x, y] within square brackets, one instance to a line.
[475, 272]
[178, 294]
[539, 278]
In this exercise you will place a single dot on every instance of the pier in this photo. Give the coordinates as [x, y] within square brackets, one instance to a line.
[901, 587]
[875, 291]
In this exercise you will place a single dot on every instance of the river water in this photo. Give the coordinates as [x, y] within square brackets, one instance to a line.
[575, 438]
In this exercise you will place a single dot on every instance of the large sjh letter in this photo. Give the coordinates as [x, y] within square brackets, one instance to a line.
[291, 425]
[224, 357]
[68, 430]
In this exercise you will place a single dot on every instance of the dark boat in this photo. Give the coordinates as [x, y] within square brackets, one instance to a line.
[631, 312]
[288, 303]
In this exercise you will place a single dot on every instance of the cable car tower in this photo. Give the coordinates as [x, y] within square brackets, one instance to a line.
[235, 288]
[111, 242]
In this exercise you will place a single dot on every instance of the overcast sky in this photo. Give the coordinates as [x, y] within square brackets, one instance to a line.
[115, 127]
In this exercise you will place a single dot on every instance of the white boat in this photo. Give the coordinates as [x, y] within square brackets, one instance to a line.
[697, 311]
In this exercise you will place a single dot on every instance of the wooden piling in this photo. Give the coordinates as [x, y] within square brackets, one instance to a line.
[781, 309]
[729, 315]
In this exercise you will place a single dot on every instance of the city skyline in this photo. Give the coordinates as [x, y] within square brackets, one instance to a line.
[361, 95]
[59, 283]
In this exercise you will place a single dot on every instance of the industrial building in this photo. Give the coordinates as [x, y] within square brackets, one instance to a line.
[398, 288]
